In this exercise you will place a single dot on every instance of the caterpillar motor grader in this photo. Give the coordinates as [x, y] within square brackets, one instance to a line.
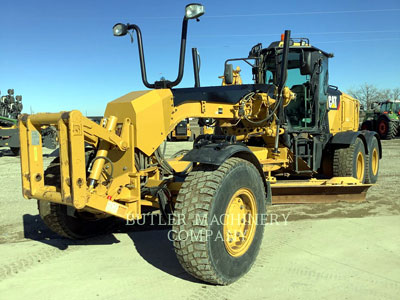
[288, 137]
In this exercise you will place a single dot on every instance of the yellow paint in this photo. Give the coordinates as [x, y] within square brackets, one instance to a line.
[35, 153]
[346, 117]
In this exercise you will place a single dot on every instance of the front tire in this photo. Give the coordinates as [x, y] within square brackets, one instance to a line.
[67, 221]
[70, 223]
[218, 227]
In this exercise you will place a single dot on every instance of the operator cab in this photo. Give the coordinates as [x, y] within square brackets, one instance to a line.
[390, 106]
[307, 77]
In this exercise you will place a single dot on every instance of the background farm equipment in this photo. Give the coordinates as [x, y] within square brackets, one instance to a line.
[384, 118]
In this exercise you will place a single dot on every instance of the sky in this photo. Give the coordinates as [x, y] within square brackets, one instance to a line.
[62, 55]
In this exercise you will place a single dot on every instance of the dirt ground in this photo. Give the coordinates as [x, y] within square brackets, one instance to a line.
[326, 251]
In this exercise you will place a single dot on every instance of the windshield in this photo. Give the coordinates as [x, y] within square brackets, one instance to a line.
[394, 107]
[294, 63]
[295, 78]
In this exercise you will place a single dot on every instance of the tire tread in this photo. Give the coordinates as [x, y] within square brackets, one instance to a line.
[195, 197]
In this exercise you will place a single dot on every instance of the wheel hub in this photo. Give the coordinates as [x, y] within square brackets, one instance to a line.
[382, 128]
[360, 166]
[240, 222]
[375, 162]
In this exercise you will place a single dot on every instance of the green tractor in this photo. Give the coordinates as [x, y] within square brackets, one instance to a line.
[10, 108]
[384, 118]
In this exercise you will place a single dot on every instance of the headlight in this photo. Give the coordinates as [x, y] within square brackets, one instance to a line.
[194, 10]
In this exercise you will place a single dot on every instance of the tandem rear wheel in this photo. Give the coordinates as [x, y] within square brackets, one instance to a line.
[372, 162]
[354, 162]
[350, 161]
[218, 227]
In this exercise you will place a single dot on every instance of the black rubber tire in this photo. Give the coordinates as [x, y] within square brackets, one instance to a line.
[392, 133]
[390, 130]
[67, 221]
[370, 176]
[345, 160]
[206, 192]
[15, 150]
[327, 164]
[367, 125]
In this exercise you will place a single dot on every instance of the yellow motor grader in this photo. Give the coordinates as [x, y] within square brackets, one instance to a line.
[288, 137]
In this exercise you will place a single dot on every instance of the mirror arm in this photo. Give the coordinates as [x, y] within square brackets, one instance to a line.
[282, 81]
[284, 64]
[182, 54]
[141, 55]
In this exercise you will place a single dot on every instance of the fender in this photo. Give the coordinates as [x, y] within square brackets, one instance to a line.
[368, 135]
[214, 150]
[344, 139]
[11, 137]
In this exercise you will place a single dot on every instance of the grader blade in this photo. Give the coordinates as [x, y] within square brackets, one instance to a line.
[337, 189]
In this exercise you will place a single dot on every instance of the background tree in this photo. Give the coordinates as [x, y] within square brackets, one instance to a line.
[368, 93]
[396, 93]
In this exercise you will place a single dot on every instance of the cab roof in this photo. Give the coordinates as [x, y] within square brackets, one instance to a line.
[297, 43]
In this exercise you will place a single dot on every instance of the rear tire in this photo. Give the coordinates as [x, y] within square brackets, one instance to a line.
[207, 200]
[15, 150]
[350, 161]
[372, 162]
[367, 125]
[387, 129]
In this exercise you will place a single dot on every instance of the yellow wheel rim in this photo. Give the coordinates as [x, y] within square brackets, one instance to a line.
[360, 166]
[375, 162]
[240, 222]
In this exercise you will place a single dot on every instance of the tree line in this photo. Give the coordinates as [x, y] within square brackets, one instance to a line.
[369, 93]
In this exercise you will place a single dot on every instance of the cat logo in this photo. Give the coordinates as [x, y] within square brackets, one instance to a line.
[333, 102]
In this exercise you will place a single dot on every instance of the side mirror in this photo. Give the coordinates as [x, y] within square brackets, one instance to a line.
[228, 74]
[194, 10]
[120, 29]
[306, 68]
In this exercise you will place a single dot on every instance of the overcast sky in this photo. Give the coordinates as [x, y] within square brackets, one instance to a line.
[62, 55]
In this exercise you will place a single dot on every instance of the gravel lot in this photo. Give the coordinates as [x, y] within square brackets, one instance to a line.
[322, 251]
